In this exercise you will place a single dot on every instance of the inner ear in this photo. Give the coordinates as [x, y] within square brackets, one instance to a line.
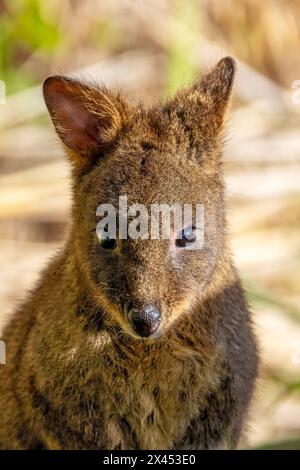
[85, 117]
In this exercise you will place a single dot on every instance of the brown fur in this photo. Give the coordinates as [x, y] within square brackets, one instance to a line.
[76, 378]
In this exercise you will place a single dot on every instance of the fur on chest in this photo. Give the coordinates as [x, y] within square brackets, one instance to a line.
[110, 394]
[141, 398]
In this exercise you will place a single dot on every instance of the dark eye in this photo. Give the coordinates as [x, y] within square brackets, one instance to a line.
[108, 243]
[107, 239]
[186, 236]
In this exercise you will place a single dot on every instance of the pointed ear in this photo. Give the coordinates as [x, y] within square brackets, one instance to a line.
[86, 118]
[210, 97]
[216, 87]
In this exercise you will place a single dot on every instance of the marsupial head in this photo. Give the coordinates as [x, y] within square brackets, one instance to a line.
[134, 169]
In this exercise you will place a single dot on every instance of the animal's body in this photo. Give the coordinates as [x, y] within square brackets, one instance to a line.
[143, 344]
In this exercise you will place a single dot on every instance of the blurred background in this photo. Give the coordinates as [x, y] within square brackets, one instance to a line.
[149, 49]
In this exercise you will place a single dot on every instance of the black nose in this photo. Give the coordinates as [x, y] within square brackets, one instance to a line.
[144, 321]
